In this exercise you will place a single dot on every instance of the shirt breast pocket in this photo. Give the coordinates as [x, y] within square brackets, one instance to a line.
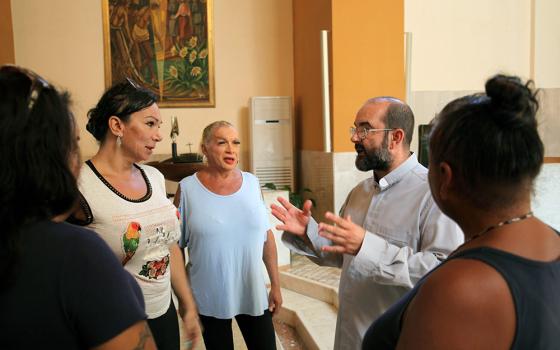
[395, 236]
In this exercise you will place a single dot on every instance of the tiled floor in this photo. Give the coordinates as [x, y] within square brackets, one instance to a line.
[303, 267]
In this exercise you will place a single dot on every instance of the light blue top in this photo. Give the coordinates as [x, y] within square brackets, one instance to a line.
[225, 237]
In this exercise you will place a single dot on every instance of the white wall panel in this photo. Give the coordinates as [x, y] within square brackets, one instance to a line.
[458, 44]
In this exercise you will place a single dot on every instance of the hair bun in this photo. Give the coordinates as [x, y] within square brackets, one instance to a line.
[514, 102]
[91, 127]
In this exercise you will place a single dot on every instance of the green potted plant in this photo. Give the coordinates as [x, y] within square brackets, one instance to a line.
[296, 198]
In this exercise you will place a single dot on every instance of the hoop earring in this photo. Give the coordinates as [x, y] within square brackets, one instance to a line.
[119, 141]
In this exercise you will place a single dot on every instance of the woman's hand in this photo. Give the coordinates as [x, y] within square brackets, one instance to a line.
[191, 326]
[270, 258]
[187, 306]
[274, 300]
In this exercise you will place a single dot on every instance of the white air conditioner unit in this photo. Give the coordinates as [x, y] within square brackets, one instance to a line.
[272, 145]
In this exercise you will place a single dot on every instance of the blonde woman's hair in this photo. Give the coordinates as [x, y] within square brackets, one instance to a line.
[209, 129]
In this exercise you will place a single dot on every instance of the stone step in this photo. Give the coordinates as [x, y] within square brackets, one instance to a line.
[309, 287]
[314, 320]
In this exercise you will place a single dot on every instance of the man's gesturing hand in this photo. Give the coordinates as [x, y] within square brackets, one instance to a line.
[346, 236]
[293, 219]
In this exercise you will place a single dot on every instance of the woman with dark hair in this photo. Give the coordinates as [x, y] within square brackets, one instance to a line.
[126, 204]
[61, 285]
[499, 290]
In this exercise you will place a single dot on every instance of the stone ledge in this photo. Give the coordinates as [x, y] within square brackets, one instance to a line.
[314, 320]
[309, 287]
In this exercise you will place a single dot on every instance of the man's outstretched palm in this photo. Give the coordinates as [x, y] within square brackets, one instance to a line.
[293, 219]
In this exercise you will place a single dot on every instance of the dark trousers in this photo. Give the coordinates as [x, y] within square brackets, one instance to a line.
[165, 329]
[258, 332]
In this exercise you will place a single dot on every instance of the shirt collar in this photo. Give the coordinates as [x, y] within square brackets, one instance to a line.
[397, 174]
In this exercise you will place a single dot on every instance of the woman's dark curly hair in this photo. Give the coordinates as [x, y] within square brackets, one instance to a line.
[121, 100]
[37, 145]
[491, 142]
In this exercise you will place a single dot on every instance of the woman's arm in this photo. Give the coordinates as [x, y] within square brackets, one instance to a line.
[270, 258]
[177, 197]
[182, 289]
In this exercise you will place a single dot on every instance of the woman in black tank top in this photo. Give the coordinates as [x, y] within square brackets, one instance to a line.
[499, 290]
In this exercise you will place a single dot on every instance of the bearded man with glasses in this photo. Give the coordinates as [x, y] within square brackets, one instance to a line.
[389, 232]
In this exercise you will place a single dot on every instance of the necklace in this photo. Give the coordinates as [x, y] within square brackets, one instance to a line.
[503, 223]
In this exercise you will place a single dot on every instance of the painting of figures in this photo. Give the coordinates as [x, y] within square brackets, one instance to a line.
[163, 45]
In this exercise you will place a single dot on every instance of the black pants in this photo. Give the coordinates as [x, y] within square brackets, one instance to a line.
[165, 329]
[258, 332]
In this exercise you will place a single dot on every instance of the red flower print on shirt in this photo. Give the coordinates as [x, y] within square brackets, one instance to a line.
[156, 268]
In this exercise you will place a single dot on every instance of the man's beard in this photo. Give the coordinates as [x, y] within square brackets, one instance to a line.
[375, 159]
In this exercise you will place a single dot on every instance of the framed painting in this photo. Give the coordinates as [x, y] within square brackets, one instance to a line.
[163, 45]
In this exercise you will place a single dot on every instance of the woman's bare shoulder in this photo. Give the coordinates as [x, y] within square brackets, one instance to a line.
[462, 298]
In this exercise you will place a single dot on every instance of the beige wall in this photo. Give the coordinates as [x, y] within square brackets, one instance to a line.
[458, 44]
[63, 40]
[547, 43]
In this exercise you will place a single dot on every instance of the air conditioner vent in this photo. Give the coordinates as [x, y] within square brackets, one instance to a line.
[272, 155]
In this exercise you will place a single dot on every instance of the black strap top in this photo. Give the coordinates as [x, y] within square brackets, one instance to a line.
[535, 288]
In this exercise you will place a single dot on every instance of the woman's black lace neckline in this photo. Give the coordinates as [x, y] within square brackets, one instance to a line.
[106, 183]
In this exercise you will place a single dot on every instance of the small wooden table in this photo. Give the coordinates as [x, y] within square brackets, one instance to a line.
[176, 171]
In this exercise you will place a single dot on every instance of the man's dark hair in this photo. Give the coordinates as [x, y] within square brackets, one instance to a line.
[398, 116]
[37, 144]
[491, 142]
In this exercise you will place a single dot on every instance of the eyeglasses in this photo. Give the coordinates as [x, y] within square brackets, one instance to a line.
[37, 83]
[363, 132]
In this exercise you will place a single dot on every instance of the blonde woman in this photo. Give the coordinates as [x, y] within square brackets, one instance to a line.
[226, 230]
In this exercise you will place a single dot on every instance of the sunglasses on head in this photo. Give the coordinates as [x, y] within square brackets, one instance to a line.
[133, 83]
[37, 83]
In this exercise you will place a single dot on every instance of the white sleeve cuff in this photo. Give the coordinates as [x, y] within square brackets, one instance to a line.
[370, 254]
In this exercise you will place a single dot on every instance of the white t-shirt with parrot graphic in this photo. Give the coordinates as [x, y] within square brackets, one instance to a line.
[139, 231]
